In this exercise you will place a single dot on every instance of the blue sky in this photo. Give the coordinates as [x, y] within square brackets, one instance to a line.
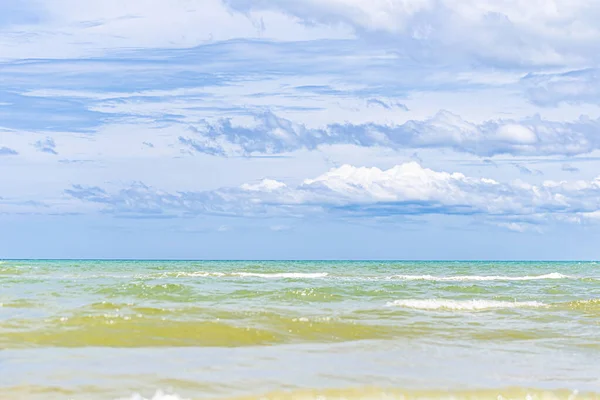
[422, 129]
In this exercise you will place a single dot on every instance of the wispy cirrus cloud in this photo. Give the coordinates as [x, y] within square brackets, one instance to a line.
[111, 25]
[527, 171]
[520, 32]
[388, 105]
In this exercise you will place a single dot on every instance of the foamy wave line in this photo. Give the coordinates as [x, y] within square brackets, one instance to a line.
[157, 396]
[274, 275]
[514, 394]
[466, 278]
[469, 305]
[283, 275]
[315, 275]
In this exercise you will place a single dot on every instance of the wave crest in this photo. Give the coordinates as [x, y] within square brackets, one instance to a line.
[468, 278]
[469, 305]
[585, 305]
[392, 394]
[157, 396]
[265, 275]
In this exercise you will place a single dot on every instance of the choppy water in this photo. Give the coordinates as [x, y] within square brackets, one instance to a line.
[299, 330]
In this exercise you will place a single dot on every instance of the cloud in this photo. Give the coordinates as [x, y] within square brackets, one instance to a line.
[573, 87]
[138, 199]
[66, 161]
[6, 151]
[514, 226]
[271, 134]
[500, 33]
[14, 206]
[52, 113]
[202, 145]
[141, 200]
[516, 32]
[360, 192]
[569, 168]
[266, 185]
[388, 105]
[46, 146]
[46, 28]
[526, 171]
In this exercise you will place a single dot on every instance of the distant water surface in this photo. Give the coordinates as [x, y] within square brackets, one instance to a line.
[299, 330]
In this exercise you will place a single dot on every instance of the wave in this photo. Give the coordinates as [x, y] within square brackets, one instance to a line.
[584, 305]
[468, 278]
[392, 394]
[271, 275]
[317, 275]
[293, 275]
[157, 396]
[468, 305]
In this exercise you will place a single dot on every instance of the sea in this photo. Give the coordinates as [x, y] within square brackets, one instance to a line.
[174, 330]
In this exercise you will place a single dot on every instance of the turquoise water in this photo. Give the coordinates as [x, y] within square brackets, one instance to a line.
[280, 329]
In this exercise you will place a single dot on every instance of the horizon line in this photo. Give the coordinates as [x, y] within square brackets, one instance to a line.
[296, 260]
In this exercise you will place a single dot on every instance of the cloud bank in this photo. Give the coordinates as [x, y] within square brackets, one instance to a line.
[406, 189]
[271, 134]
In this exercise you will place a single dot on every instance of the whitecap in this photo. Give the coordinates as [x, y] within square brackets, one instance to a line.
[200, 274]
[288, 275]
[274, 275]
[157, 396]
[396, 394]
[467, 278]
[469, 305]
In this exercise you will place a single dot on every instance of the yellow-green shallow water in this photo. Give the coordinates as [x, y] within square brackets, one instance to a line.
[299, 330]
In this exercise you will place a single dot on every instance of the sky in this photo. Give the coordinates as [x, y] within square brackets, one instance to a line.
[304, 129]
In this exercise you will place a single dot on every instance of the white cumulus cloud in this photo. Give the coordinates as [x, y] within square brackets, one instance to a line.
[405, 189]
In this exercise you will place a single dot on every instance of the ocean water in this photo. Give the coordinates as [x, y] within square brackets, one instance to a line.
[166, 330]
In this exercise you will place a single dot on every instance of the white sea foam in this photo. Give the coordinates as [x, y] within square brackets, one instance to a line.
[316, 275]
[198, 274]
[293, 275]
[392, 395]
[467, 278]
[274, 275]
[469, 305]
[157, 396]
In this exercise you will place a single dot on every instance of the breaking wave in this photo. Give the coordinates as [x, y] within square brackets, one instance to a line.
[265, 275]
[392, 394]
[157, 396]
[469, 305]
[468, 278]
